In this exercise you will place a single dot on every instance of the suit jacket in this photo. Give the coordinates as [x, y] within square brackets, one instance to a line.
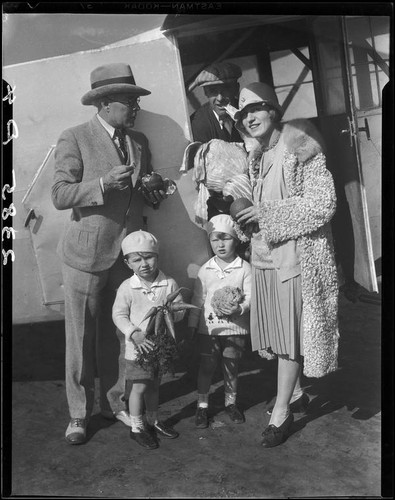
[205, 127]
[92, 238]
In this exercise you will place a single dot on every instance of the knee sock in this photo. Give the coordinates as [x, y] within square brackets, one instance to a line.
[152, 417]
[230, 398]
[202, 401]
[137, 423]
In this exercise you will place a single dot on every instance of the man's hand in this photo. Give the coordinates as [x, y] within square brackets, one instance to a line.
[118, 177]
[153, 197]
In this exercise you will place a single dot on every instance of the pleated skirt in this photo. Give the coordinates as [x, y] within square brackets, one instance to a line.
[276, 313]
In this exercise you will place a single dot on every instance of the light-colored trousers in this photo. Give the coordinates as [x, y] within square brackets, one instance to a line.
[93, 344]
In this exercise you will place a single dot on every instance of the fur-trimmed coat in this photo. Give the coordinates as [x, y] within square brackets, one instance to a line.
[305, 216]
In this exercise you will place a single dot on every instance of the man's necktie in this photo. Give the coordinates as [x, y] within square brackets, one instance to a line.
[119, 140]
[227, 125]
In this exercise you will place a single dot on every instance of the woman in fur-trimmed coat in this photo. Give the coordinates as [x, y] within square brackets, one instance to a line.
[294, 297]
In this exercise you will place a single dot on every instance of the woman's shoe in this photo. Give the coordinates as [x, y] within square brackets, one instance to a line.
[273, 436]
[298, 406]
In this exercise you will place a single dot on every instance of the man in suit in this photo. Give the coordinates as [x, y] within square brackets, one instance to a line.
[211, 121]
[97, 168]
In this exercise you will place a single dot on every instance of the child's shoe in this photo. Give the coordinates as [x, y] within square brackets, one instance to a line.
[163, 430]
[144, 439]
[235, 414]
[201, 418]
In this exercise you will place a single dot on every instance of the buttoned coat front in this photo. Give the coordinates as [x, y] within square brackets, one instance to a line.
[92, 238]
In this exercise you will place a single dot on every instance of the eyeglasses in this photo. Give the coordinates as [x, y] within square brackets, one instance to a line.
[133, 104]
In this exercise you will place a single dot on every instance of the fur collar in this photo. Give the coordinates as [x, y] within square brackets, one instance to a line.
[302, 139]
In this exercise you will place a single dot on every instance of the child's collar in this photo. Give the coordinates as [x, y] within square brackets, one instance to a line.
[236, 263]
[160, 280]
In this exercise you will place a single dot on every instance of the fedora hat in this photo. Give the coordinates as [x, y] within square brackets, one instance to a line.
[111, 79]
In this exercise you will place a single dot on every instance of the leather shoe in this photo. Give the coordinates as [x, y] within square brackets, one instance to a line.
[201, 418]
[298, 406]
[235, 414]
[163, 430]
[76, 431]
[144, 439]
[273, 436]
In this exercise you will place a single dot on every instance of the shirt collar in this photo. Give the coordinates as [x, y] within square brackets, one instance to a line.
[218, 119]
[212, 264]
[109, 128]
[135, 281]
[221, 121]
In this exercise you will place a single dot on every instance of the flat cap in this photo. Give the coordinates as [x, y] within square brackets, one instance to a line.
[217, 74]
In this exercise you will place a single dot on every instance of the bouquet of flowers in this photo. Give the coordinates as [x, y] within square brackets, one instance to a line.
[226, 296]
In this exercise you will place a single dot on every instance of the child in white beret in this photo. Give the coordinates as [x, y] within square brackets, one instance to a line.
[148, 288]
[222, 291]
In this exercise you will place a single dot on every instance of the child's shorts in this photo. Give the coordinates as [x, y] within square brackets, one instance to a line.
[134, 372]
[226, 346]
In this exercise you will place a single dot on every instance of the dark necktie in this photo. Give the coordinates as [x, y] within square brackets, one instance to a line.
[119, 140]
[226, 127]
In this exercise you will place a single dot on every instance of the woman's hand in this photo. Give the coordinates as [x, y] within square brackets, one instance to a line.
[248, 215]
[139, 338]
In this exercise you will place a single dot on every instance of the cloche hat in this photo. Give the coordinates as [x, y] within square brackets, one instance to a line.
[140, 241]
[111, 79]
[257, 92]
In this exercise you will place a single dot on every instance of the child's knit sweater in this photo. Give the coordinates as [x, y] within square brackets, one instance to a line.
[211, 278]
[134, 300]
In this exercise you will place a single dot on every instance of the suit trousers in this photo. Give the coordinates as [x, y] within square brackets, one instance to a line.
[93, 345]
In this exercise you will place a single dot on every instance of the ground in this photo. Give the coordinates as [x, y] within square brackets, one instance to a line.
[334, 449]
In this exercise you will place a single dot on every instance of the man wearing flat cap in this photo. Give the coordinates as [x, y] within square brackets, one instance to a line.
[98, 165]
[211, 121]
